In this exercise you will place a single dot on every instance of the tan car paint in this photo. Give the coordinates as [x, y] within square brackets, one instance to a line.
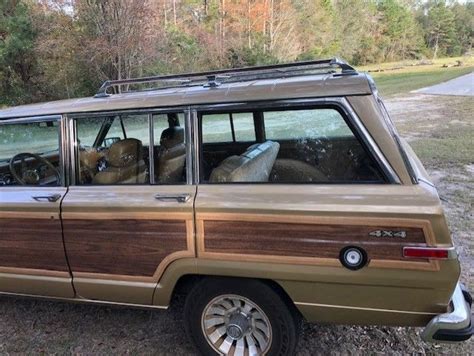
[358, 298]
[369, 113]
[323, 85]
[321, 290]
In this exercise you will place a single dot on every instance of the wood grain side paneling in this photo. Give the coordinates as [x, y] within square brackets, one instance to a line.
[126, 247]
[304, 240]
[32, 244]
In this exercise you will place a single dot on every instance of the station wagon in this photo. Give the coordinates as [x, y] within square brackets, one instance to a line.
[266, 195]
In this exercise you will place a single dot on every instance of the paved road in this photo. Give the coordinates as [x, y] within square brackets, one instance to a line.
[459, 86]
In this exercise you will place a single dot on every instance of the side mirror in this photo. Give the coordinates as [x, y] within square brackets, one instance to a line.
[109, 141]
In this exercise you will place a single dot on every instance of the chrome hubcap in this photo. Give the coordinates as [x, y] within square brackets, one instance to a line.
[234, 325]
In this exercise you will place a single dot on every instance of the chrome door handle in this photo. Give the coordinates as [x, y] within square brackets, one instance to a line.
[51, 198]
[180, 198]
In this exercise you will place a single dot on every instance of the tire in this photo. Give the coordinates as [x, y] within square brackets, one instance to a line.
[225, 315]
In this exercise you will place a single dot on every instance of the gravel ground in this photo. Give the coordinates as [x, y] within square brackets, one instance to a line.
[41, 327]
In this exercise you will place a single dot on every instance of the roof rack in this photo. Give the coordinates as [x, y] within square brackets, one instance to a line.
[215, 78]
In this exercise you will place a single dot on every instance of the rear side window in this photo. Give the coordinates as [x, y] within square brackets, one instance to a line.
[305, 124]
[317, 145]
[310, 145]
[228, 127]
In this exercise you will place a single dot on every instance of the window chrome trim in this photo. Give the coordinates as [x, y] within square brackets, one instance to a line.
[151, 149]
[166, 110]
[192, 134]
[71, 130]
[196, 151]
[73, 118]
[367, 137]
[298, 104]
[64, 152]
[32, 119]
[189, 145]
[394, 133]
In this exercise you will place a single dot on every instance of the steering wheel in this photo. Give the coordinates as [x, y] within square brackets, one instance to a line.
[30, 175]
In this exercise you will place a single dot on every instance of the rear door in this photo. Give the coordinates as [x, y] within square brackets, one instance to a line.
[32, 258]
[121, 228]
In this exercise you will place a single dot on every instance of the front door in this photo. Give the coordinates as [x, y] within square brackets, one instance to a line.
[32, 258]
[130, 212]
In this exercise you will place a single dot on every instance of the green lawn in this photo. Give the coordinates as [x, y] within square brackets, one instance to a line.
[398, 83]
[403, 77]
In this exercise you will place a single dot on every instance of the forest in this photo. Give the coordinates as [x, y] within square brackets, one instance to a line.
[53, 49]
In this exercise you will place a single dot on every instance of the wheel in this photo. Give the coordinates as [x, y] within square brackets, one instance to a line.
[239, 317]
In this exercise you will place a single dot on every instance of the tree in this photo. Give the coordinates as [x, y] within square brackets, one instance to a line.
[464, 28]
[400, 31]
[440, 27]
[52, 49]
[116, 35]
[17, 62]
[57, 49]
[357, 30]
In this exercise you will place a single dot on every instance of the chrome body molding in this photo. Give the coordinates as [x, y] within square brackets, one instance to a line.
[362, 308]
[79, 300]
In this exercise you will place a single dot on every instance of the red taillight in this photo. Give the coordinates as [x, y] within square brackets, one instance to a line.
[426, 252]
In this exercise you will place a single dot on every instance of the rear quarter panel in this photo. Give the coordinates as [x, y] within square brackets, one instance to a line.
[301, 228]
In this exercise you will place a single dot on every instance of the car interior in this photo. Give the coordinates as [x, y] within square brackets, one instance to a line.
[126, 160]
[258, 150]
[301, 159]
[26, 161]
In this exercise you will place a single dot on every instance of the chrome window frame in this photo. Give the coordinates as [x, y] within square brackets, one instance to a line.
[62, 139]
[71, 120]
[340, 102]
[68, 132]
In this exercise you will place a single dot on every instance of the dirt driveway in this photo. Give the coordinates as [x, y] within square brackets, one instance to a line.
[441, 130]
[463, 85]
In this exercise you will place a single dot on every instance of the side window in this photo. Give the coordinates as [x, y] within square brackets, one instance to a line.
[169, 148]
[113, 149]
[224, 135]
[317, 145]
[29, 154]
[216, 128]
[116, 131]
[228, 127]
[244, 127]
[305, 124]
[301, 146]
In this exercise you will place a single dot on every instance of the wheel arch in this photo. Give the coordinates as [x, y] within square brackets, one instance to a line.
[184, 274]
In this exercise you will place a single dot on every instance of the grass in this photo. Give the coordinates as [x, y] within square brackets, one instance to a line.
[440, 129]
[455, 148]
[402, 77]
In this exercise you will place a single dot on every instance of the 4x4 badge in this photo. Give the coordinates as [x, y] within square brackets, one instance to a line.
[388, 233]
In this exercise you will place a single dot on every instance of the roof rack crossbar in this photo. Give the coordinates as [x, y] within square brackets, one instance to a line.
[210, 78]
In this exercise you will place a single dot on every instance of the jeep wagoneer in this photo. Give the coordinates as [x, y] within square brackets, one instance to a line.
[266, 194]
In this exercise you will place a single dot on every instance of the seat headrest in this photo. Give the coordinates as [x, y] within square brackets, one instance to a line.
[254, 165]
[125, 152]
[172, 136]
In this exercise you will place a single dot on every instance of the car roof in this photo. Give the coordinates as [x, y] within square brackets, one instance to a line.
[295, 87]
